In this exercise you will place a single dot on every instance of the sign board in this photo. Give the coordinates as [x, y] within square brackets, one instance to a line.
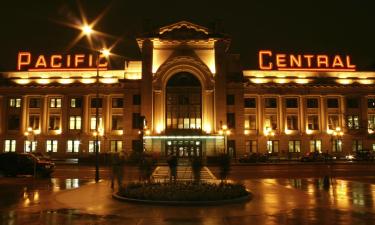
[29, 62]
[269, 60]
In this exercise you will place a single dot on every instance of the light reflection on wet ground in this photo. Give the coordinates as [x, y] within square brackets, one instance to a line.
[25, 191]
[276, 201]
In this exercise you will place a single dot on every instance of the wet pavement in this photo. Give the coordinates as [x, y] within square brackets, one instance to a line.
[348, 200]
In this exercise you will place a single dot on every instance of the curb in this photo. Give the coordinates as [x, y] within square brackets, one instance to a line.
[185, 203]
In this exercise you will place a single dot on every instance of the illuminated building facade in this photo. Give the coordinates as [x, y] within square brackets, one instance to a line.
[195, 98]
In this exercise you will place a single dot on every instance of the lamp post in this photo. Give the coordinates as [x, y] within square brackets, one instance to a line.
[225, 132]
[87, 30]
[30, 135]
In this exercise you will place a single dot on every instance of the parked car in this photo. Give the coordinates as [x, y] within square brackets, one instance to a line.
[13, 164]
[316, 157]
[254, 157]
[364, 155]
[41, 156]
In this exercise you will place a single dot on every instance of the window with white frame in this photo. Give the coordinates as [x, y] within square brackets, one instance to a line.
[34, 122]
[357, 145]
[270, 122]
[316, 146]
[250, 122]
[15, 102]
[75, 122]
[352, 122]
[10, 146]
[92, 146]
[292, 122]
[251, 146]
[73, 146]
[294, 146]
[337, 145]
[51, 145]
[93, 123]
[116, 146]
[371, 123]
[333, 122]
[55, 102]
[313, 122]
[54, 122]
[75, 103]
[272, 146]
[30, 146]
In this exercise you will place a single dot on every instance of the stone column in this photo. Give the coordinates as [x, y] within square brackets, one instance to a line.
[220, 84]
[146, 82]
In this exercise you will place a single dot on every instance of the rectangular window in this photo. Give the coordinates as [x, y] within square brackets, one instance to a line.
[272, 146]
[333, 122]
[332, 103]
[312, 122]
[75, 103]
[270, 103]
[136, 99]
[116, 146]
[316, 146]
[249, 103]
[292, 122]
[34, 122]
[230, 99]
[55, 103]
[371, 123]
[13, 122]
[73, 146]
[371, 103]
[231, 120]
[34, 103]
[30, 146]
[352, 122]
[250, 122]
[96, 103]
[291, 102]
[93, 123]
[15, 102]
[51, 145]
[373, 147]
[294, 146]
[137, 121]
[10, 146]
[117, 102]
[75, 122]
[270, 122]
[251, 146]
[312, 103]
[352, 102]
[117, 122]
[92, 146]
[337, 145]
[357, 145]
[54, 122]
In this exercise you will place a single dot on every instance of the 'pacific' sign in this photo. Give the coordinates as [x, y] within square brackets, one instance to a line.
[57, 62]
[304, 62]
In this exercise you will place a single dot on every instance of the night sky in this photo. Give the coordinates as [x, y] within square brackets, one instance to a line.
[308, 26]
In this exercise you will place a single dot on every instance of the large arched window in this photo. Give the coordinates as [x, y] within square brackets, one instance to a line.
[184, 104]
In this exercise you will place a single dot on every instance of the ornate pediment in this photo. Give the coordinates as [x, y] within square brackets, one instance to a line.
[183, 31]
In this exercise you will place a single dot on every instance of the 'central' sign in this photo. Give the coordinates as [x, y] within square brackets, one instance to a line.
[304, 62]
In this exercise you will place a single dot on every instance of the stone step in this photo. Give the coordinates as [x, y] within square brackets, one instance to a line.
[183, 173]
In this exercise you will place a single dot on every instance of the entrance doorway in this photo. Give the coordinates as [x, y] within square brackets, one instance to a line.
[183, 149]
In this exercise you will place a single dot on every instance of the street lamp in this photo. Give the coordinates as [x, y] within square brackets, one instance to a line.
[225, 132]
[87, 30]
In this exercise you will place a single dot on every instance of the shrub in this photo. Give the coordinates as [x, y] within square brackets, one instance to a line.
[183, 191]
